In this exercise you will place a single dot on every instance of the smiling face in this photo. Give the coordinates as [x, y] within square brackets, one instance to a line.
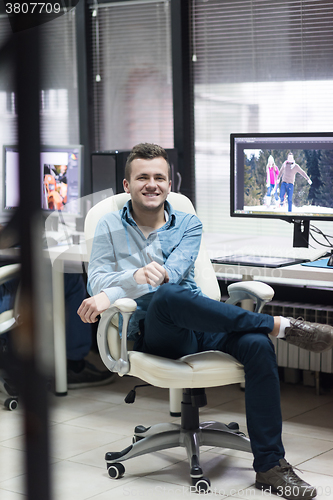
[149, 184]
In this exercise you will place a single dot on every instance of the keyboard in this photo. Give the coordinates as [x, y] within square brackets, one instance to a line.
[271, 257]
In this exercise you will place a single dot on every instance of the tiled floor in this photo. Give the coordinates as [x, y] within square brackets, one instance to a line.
[89, 422]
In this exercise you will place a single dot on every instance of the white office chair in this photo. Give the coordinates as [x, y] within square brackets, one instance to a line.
[8, 320]
[190, 373]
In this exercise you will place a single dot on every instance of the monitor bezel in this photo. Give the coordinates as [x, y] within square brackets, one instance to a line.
[287, 217]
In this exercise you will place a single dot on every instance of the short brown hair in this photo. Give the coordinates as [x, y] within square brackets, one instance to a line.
[146, 151]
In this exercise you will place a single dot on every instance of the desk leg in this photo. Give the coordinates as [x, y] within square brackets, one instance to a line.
[59, 328]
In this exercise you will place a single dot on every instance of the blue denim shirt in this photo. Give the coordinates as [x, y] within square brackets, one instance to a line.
[120, 248]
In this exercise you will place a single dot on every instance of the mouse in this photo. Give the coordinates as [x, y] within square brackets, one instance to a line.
[330, 260]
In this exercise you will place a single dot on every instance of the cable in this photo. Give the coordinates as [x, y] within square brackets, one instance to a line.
[314, 229]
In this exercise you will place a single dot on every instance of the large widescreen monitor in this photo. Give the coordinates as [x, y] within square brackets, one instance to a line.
[60, 174]
[283, 176]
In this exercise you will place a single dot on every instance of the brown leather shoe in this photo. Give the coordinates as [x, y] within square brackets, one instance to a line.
[313, 337]
[283, 481]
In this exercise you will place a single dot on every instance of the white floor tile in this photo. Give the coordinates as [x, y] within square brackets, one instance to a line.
[11, 463]
[322, 464]
[149, 490]
[89, 422]
[62, 410]
[69, 440]
[121, 419]
[295, 403]
[297, 451]
[10, 495]
[317, 423]
[10, 423]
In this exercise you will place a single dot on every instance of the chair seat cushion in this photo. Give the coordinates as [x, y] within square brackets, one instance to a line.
[204, 369]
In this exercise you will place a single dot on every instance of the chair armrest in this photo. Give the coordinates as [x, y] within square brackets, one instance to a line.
[126, 308]
[256, 290]
[9, 272]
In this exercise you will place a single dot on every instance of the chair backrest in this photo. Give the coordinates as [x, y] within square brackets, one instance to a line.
[204, 273]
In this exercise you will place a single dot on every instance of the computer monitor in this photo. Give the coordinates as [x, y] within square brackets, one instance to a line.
[285, 176]
[60, 174]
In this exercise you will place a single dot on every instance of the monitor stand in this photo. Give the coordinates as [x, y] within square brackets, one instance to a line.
[301, 233]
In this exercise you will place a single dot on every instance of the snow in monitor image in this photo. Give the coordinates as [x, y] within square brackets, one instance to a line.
[288, 181]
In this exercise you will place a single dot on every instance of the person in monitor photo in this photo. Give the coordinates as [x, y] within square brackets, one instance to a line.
[272, 173]
[146, 251]
[287, 175]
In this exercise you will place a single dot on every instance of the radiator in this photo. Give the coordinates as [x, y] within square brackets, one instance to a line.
[290, 356]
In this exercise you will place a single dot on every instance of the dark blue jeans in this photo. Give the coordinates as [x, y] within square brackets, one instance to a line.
[180, 322]
[289, 189]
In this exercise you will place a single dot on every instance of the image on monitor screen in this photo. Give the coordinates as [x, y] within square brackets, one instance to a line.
[60, 171]
[287, 176]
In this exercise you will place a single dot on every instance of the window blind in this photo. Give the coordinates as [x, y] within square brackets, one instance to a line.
[59, 97]
[8, 123]
[259, 66]
[132, 79]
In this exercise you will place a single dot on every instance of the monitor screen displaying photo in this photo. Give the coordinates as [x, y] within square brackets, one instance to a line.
[282, 176]
[60, 174]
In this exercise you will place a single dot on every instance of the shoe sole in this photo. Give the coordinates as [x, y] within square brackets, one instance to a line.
[271, 489]
[317, 347]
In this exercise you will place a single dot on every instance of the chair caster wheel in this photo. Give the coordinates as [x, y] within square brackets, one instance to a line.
[202, 485]
[233, 426]
[116, 471]
[11, 404]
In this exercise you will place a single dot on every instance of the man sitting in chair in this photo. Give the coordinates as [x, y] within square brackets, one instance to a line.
[146, 252]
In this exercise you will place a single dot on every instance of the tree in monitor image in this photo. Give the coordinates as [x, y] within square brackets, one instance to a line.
[325, 190]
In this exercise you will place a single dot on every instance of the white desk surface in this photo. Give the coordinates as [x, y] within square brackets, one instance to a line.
[221, 245]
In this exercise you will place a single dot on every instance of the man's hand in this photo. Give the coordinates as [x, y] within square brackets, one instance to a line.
[92, 307]
[154, 274]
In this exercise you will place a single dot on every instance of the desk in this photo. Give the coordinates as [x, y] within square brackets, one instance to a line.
[305, 275]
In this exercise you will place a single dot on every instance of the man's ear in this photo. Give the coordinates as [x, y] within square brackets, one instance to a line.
[169, 187]
[126, 186]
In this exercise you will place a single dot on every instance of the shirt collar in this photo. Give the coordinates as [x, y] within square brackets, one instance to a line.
[126, 214]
